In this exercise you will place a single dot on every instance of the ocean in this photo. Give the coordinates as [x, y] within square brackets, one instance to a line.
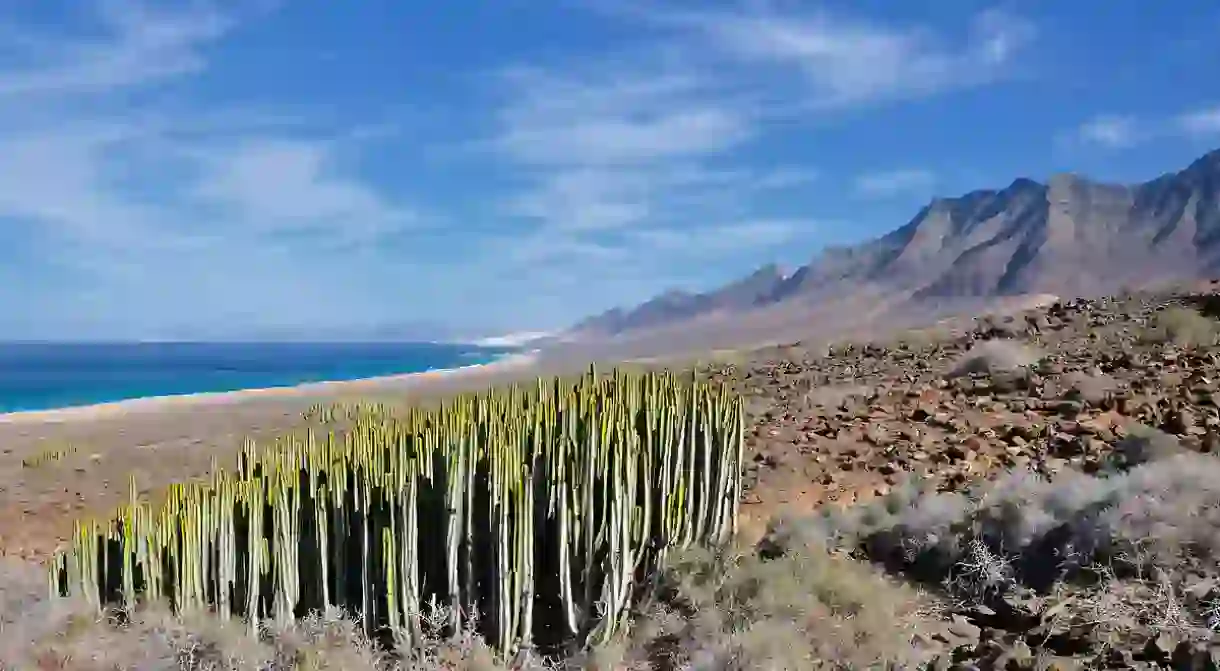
[45, 376]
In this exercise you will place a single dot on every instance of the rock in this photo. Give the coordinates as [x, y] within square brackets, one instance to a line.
[1113, 658]
[1158, 648]
[960, 626]
[1142, 445]
[1018, 657]
[1188, 656]
[1211, 442]
[1179, 421]
[1069, 409]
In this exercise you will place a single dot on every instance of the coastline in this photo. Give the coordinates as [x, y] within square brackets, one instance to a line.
[152, 404]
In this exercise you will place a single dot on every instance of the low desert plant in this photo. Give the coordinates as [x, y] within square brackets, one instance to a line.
[806, 608]
[1151, 532]
[995, 356]
[1184, 327]
[49, 455]
[710, 610]
[38, 633]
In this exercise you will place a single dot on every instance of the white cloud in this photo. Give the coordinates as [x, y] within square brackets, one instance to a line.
[61, 180]
[722, 239]
[279, 184]
[786, 178]
[599, 198]
[1200, 122]
[848, 61]
[585, 199]
[1115, 131]
[617, 118]
[893, 182]
[625, 171]
[628, 161]
[613, 145]
[1123, 131]
[139, 46]
[170, 211]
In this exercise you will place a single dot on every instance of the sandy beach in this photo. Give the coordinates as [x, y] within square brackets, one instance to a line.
[172, 438]
[313, 390]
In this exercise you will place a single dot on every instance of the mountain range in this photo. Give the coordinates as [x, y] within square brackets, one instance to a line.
[1069, 236]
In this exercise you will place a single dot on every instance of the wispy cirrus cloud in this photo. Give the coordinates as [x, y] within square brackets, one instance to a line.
[141, 204]
[278, 184]
[1111, 130]
[1123, 131]
[843, 60]
[716, 240]
[889, 183]
[125, 45]
[158, 199]
[642, 152]
[617, 117]
[1200, 122]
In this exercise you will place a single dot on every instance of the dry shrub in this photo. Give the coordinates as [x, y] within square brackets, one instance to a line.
[1090, 388]
[734, 609]
[805, 609]
[72, 636]
[1141, 445]
[1184, 327]
[1152, 533]
[833, 396]
[995, 356]
[918, 340]
[38, 634]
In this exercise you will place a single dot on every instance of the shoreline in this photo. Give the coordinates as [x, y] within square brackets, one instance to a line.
[147, 404]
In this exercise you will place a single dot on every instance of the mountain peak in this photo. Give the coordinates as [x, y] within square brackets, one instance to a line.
[1024, 184]
[1209, 162]
[1067, 236]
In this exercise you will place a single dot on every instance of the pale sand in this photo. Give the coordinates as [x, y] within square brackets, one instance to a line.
[515, 363]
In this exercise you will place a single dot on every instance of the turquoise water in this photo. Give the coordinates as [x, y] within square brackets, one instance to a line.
[43, 376]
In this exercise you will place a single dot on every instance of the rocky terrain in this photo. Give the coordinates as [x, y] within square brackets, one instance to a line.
[1046, 389]
[1096, 421]
[1035, 489]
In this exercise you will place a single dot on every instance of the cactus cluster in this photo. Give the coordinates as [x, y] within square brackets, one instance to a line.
[533, 514]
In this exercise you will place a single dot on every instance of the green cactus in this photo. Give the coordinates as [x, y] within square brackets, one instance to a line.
[531, 513]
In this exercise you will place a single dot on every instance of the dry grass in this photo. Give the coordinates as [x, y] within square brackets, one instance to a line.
[804, 609]
[72, 637]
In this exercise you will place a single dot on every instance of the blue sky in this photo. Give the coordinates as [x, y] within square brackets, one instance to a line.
[214, 169]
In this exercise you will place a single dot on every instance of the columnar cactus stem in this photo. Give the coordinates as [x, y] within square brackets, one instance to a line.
[600, 480]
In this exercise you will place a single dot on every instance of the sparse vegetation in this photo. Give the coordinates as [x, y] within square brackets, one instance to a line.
[1184, 327]
[1108, 554]
[710, 610]
[803, 609]
[49, 455]
[995, 356]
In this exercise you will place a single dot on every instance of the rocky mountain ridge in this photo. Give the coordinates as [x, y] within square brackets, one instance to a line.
[1068, 236]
